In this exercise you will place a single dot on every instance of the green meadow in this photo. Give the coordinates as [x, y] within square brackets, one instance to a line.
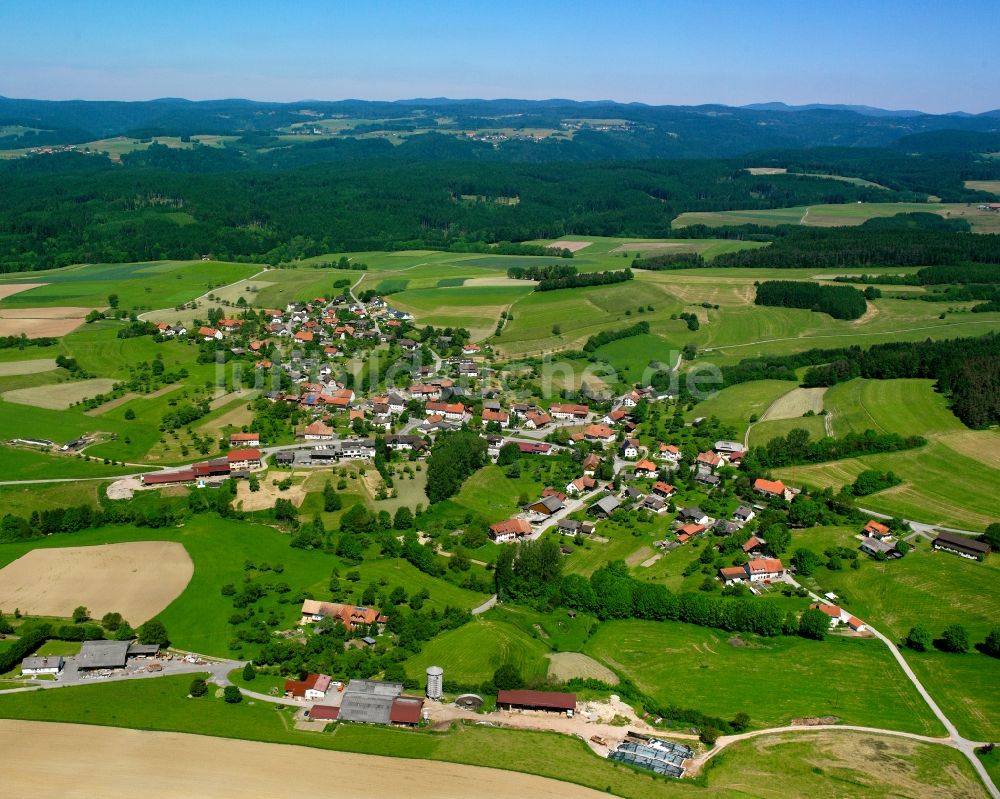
[774, 680]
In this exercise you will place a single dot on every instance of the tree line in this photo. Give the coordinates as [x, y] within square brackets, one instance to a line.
[674, 260]
[607, 336]
[585, 279]
[541, 272]
[840, 302]
[798, 448]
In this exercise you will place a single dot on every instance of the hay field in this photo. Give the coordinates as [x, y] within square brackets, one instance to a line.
[795, 403]
[40, 322]
[137, 579]
[566, 665]
[9, 289]
[46, 759]
[59, 396]
[992, 186]
[12, 368]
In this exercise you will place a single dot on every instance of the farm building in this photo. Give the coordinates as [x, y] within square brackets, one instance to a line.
[376, 702]
[324, 713]
[875, 547]
[764, 569]
[312, 688]
[568, 411]
[652, 754]
[551, 701]
[42, 665]
[244, 440]
[168, 478]
[605, 507]
[350, 615]
[318, 431]
[961, 545]
[546, 506]
[102, 655]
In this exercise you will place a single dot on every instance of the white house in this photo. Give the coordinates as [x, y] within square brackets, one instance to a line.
[42, 665]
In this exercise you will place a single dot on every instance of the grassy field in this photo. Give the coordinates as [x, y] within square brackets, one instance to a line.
[28, 464]
[736, 404]
[837, 215]
[775, 680]
[139, 286]
[965, 688]
[197, 619]
[762, 432]
[842, 764]
[950, 481]
[22, 500]
[474, 651]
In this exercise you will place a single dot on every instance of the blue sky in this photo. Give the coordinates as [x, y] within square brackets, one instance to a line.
[932, 56]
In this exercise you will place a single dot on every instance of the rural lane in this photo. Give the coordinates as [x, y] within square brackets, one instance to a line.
[922, 527]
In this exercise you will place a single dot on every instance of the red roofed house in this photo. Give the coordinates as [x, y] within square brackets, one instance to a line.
[241, 459]
[646, 467]
[877, 530]
[733, 574]
[452, 411]
[754, 545]
[311, 689]
[689, 531]
[710, 459]
[501, 417]
[599, 432]
[763, 569]
[533, 420]
[568, 411]
[669, 452]
[350, 615]
[856, 624]
[534, 447]
[581, 485]
[664, 489]
[304, 336]
[318, 431]
[509, 530]
[209, 333]
[244, 440]
[769, 488]
[835, 614]
[590, 464]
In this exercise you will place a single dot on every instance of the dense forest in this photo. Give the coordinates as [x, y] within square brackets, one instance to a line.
[840, 302]
[585, 279]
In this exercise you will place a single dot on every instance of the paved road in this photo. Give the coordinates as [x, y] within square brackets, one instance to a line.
[489, 603]
[357, 301]
[922, 527]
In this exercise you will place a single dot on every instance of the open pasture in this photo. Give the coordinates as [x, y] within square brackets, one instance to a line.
[736, 404]
[807, 764]
[34, 366]
[475, 650]
[950, 481]
[139, 286]
[700, 667]
[59, 396]
[136, 579]
[764, 431]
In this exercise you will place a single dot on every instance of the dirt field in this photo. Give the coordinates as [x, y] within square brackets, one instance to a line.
[566, 665]
[137, 579]
[47, 760]
[492, 282]
[795, 403]
[27, 367]
[651, 246]
[572, 246]
[767, 170]
[263, 499]
[59, 396]
[10, 289]
[39, 322]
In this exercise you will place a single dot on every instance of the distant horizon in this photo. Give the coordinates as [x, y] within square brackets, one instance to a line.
[894, 54]
[428, 98]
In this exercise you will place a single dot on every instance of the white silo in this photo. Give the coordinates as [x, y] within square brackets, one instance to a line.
[435, 678]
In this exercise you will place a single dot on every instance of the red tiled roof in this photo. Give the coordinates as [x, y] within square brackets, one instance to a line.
[876, 527]
[406, 710]
[599, 431]
[516, 526]
[243, 455]
[324, 713]
[830, 610]
[766, 565]
[645, 466]
[769, 486]
[244, 437]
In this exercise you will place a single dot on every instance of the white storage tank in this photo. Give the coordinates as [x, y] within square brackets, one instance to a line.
[435, 678]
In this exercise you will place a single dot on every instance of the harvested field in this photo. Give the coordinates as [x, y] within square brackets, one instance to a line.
[795, 403]
[47, 759]
[495, 281]
[59, 396]
[566, 665]
[653, 246]
[128, 396]
[992, 186]
[767, 170]
[572, 246]
[10, 289]
[40, 322]
[27, 367]
[137, 579]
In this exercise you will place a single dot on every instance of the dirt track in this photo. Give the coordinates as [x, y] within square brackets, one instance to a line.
[137, 579]
[45, 760]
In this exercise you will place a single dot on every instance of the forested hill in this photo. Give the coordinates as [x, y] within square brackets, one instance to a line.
[602, 130]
